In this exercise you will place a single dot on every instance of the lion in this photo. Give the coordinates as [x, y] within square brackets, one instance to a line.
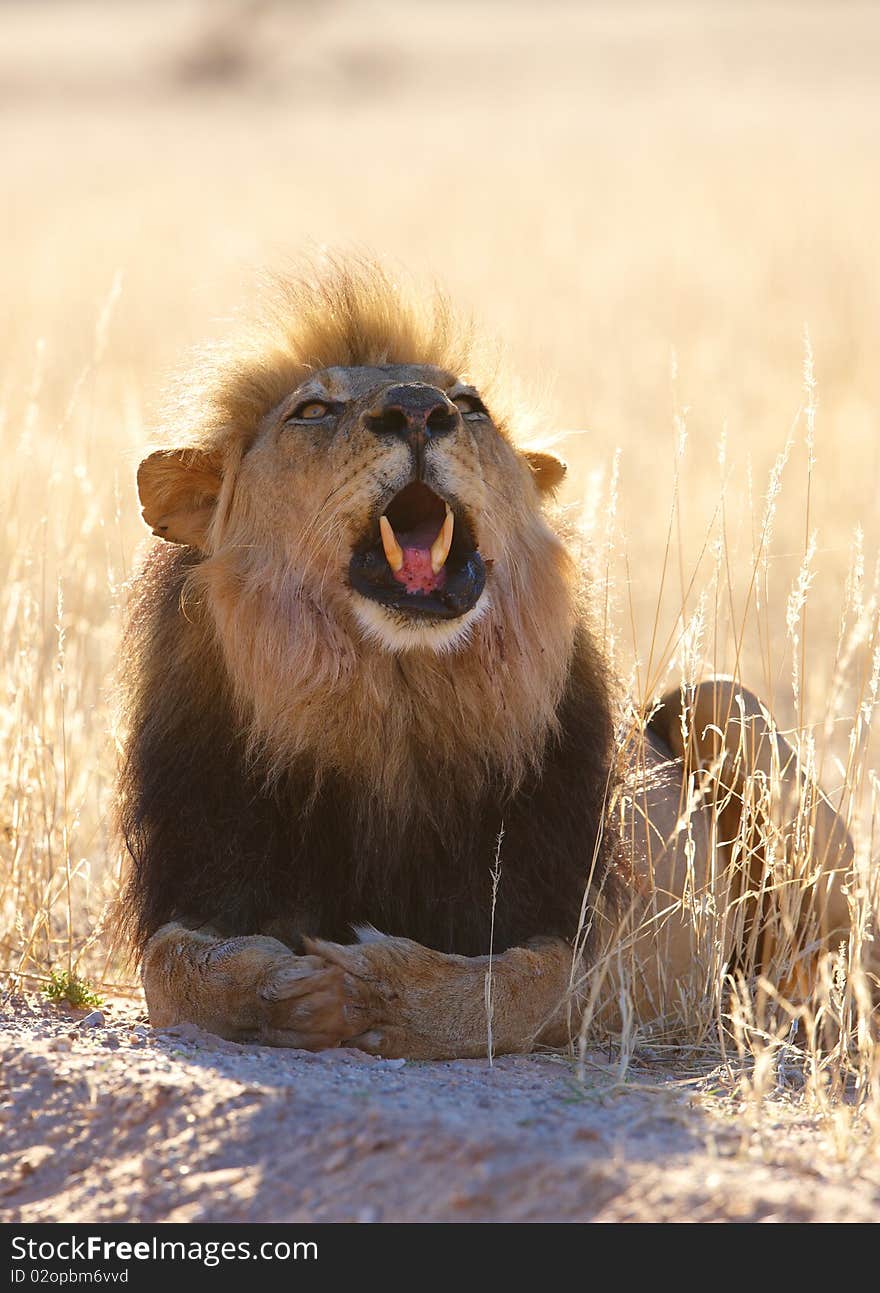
[372, 786]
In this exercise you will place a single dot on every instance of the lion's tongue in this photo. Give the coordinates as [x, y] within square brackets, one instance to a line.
[416, 573]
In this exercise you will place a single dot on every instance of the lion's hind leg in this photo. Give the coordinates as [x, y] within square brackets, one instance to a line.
[250, 988]
[789, 850]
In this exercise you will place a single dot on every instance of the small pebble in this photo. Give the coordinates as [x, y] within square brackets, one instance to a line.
[94, 1019]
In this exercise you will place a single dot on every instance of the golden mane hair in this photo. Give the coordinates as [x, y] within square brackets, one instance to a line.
[348, 312]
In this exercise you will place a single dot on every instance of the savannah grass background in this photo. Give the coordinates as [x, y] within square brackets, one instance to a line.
[668, 213]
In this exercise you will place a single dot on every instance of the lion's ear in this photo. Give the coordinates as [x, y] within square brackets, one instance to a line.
[547, 470]
[178, 489]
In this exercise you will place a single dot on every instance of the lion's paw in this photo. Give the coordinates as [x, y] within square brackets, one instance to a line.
[302, 1003]
[389, 987]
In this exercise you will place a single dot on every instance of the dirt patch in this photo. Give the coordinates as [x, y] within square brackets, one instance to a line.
[104, 1119]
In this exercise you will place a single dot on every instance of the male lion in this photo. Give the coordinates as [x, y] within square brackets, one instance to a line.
[359, 676]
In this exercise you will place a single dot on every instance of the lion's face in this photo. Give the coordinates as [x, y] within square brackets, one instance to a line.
[389, 498]
[393, 486]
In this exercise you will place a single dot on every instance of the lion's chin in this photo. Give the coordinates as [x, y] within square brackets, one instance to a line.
[399, 633]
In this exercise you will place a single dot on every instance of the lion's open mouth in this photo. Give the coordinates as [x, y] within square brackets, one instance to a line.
[419, 557]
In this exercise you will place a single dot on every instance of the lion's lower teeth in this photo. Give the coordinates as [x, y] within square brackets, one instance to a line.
[441, 545]
[439, 551]
[393, 550]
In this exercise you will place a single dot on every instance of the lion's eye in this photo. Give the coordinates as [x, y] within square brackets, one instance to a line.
[311, 411]
[470, 407]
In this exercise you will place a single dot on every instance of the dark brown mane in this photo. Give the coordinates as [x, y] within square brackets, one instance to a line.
[210, 843]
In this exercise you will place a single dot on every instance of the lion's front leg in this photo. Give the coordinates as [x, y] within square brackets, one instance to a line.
[251, 988]
[407, 1001]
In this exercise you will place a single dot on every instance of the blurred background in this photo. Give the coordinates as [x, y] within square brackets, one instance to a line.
[660, 209]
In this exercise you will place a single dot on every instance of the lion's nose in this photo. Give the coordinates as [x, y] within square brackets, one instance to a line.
[415, 412]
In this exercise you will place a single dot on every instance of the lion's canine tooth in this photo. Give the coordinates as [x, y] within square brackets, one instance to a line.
[393, 550]
[441, 545]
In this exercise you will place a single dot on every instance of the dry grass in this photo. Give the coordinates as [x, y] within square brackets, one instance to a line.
[649, 203]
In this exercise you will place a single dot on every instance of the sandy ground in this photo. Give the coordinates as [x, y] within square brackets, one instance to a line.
[104, 1119]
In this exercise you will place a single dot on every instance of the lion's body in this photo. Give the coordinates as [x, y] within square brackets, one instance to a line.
[336, 726]
[303, 855]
